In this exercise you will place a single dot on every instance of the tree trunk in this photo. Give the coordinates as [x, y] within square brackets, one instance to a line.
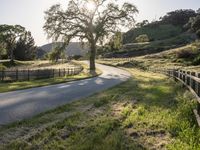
[11, 57]
[92, 57]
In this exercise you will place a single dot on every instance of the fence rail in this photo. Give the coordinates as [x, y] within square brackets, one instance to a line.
[192, 81]
[27, 74]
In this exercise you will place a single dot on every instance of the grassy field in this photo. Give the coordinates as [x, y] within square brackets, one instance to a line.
[6, 86]
[166, 59]
[36, 64]
[149, 111]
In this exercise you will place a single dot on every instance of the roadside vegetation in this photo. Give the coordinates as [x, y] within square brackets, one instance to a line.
[12, 86]
[149, 111]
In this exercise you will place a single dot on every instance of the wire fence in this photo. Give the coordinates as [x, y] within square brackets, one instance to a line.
[28, 74]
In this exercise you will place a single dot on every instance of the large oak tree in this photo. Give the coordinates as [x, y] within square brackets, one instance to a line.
[88, 20]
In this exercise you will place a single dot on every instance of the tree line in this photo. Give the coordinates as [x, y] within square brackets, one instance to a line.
[16, 43]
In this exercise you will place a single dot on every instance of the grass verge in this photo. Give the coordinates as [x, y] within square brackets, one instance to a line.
[149, 111]
[6, 87]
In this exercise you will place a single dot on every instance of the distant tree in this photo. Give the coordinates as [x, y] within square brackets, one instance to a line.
[178, 17]
[142, 24]
[58, 52]
[115, 42]
[2, 46]
[198, 11]
[25, 48]
[10, 34]
[89, 20]
[142, 38]
[2, 49]
[193, 25]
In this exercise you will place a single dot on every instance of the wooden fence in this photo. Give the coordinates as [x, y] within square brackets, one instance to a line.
[189, 79]
[27, 74]
[192, 81]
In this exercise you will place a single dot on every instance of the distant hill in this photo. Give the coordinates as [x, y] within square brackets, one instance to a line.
[141, 49]
[154, 31]
[74, 48]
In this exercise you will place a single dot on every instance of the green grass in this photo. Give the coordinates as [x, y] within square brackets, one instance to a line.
[149, 111]
[6, 87]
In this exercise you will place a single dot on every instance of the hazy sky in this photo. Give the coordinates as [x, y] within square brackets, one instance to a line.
[30, 13]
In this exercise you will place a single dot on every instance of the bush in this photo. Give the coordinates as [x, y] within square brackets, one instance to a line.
[196, 61]
[142, 38]
[198, 33]
[76, 57]
[187, 53]
[2, 67]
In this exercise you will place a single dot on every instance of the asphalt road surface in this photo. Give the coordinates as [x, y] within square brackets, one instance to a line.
[22, 104]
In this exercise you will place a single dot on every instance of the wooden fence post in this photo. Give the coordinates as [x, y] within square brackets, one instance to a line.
[175, 74]
[188, 77]
[67, 71]
[38, 74]
[198, 85]
[179, 74]
[193, 82]
[184, 76]
[17, 75]
[2, 75]
[28, 75]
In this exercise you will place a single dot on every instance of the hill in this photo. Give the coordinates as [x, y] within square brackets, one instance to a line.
[185, 57]
[154, 31]
[141, 49]
[74, 48]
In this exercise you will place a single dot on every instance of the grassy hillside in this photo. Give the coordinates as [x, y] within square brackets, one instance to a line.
[140, 49]
[185, 57]
[154, 32]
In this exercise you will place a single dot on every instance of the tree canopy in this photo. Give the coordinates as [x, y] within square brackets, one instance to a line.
[25, 48]
[194, 25]
[88, 20]
[57, 52]
[15, 37]
[178, 17]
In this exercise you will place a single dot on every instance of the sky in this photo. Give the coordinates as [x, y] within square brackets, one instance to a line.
[30, 13]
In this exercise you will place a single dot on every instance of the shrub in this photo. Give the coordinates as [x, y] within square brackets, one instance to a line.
[76, 57]
[196, 61]
[198, 33]
[187, 53]
[142, 38]
[2, 67]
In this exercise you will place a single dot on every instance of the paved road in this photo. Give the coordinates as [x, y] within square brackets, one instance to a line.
[18, 105]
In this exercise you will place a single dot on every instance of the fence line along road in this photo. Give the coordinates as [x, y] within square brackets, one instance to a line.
[191, 80]
[27, 74]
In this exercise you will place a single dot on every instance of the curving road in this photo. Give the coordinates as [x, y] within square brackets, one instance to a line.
[18, 105]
